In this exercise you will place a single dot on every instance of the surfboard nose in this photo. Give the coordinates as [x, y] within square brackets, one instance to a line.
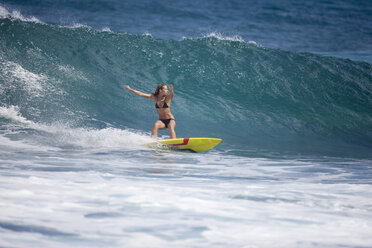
[215, 141]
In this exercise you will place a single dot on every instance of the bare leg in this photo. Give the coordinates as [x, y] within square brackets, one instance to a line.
[154, 133]
[158, 125]
[171, 126]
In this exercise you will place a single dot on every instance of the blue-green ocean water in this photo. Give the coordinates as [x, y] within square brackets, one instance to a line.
[253, 97]
[294, 167]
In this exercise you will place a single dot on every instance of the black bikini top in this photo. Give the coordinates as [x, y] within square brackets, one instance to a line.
[165, 105]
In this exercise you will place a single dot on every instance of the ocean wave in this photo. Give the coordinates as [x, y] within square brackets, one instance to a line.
[225, 87]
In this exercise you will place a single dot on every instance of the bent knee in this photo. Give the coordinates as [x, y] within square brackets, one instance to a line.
[159, 125]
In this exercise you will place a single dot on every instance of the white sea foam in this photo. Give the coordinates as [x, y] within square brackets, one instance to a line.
[148, 34]
[222, 37]
[187, 200]
[107, 29]
[7, 146]
[73, 73]
[61, 134]
[12, 113]
[31, 84]
[106, 138]
[252, 42]
[78, 25]
[15, 73]
[15, 14]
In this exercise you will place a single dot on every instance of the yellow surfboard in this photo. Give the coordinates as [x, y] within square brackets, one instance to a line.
[186, 144]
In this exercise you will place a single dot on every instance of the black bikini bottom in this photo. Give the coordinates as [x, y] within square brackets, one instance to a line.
[166, 121]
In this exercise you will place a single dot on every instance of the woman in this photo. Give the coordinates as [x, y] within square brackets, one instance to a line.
[162, 101]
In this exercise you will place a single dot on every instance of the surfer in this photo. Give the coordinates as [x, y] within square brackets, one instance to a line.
[162, 101]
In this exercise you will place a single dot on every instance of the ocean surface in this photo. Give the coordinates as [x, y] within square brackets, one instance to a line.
[286, 84]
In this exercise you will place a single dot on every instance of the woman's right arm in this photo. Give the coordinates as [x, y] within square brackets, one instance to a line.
[138, 93]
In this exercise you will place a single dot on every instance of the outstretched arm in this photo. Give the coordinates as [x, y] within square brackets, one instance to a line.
[138, 93]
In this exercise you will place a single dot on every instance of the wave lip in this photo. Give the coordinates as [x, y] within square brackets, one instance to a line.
[220, 36]
[15, 14]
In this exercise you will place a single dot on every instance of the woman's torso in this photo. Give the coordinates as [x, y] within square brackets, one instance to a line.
[163, 107]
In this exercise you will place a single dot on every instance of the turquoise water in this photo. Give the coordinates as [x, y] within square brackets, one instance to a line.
[293, 170]
[253, 97]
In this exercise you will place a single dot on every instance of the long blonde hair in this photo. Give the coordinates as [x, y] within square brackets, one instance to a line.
[160, 87]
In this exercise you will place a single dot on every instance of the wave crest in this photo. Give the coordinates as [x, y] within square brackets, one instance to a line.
[15, 14]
